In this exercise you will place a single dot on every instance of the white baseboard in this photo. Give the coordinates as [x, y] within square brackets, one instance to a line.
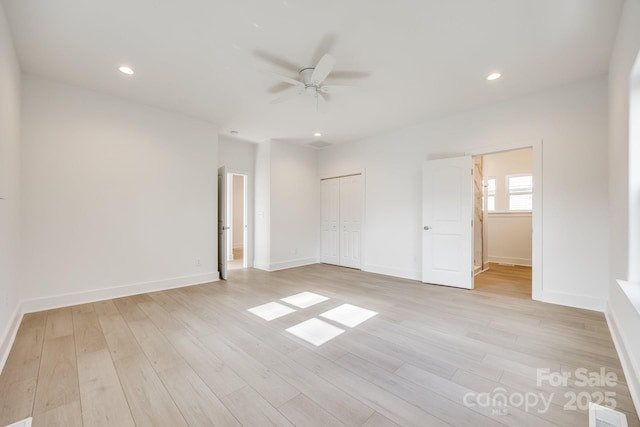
[9, 335]
[572, 300]
[55, 301]
[526, 262]
[631, 372]
[387, 271]
[261, 266]
[292, 263]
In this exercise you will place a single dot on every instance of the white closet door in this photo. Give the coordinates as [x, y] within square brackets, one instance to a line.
[329, 218]
[350, 221]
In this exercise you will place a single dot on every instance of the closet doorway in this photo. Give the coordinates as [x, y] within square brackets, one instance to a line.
[341, 221]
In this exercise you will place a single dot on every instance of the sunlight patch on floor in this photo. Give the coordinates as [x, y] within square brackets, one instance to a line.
[271, 310]
[315, 331]
[304, 299]
[349, 315]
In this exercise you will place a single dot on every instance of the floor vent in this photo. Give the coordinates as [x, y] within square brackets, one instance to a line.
[600, 416]
[23, 423]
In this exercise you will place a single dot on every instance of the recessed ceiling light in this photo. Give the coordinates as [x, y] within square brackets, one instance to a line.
[494, 76]
[317, 134]
[125, 70]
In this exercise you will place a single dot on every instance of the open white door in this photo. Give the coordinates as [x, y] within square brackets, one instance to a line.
[223, 226]
[447, 214]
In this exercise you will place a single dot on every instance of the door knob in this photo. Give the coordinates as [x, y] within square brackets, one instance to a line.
[427, 228]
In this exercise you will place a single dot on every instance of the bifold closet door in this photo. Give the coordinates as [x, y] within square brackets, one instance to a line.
[329, 219]
[350, 220]
[341, 221]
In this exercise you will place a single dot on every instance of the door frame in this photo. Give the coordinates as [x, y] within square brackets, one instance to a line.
[245, 214]
[536, 213]
[247, 261]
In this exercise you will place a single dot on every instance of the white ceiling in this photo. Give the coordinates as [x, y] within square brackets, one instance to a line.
[207, 59]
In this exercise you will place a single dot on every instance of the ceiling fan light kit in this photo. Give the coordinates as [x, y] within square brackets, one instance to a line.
[310, 83]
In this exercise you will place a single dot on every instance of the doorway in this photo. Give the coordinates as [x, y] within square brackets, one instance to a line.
[237, 248]
[503, 214]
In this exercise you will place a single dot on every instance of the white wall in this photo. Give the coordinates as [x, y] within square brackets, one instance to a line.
[287, 205]
[10, 191]
[571, 120]
[623, 316]
[508, 233]
[295, 205]
[116, 194]
[262, 227]
[239, 156]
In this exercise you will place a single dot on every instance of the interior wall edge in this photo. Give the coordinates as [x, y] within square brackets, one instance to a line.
[631, 373]
[6, 342]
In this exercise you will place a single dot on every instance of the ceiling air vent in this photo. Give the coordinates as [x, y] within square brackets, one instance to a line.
[319, 144]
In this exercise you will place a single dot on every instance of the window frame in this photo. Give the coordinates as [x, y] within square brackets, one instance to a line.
[508, 193]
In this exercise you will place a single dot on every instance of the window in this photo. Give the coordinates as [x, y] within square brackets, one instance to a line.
[520, 192]
[490, 195]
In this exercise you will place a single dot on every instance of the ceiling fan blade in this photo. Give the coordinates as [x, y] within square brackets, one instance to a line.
[349, 74]
[286, 79]
[337, 89]
[325, 45]
[323, 69]
[278, 87]
[276, 60]
[322, 106]
[291, 93]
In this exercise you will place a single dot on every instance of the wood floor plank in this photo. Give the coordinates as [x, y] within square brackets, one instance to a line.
[59, 323]
[336, 402]
[302, 411]
[251, 409]
[120, 340]
[150, 403]
[16, 400]
[195, 355]
[24, 359]
[129, 309]
[378, 420]
[393, 407]
[58, 375]
[68, 415]
[450, 410]
[154, 345]
[88, 332]
[196, 401]
[101, 394]
[267, 383]
[218, 376]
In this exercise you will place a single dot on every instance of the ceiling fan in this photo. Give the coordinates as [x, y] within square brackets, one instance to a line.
[311, 84]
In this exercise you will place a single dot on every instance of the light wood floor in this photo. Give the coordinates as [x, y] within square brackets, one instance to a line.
[195, 356]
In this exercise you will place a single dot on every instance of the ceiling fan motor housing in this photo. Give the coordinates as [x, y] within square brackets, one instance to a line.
[305, 76]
